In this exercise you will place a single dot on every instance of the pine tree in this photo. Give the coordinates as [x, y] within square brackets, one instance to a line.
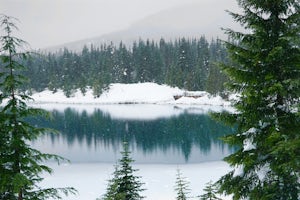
[200, 78]
[124, 185]
[185, 64]
[210, 192]
[267, 77]
[181, 187]
[112, 191]
[20, 165]
[216, 78]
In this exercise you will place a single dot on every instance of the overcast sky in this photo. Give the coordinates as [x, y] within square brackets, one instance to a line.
[46, 23]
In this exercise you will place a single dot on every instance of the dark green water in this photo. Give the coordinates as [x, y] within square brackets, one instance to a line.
[181, 136]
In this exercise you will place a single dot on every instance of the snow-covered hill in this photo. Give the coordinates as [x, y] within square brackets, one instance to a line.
[138, 93]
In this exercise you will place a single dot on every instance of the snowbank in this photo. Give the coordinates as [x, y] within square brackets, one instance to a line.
[138, 93]
[90, 179]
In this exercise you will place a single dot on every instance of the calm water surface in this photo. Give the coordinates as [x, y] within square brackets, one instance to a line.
[161, 134]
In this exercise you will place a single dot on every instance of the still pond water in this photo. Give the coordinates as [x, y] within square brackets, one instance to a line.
[163, 134]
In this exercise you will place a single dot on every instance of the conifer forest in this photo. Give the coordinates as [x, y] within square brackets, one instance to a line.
[185, 63]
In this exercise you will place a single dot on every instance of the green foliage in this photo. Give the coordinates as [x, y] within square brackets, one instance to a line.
[216, 78]
[210, 192]
[20, 165]
[186, 63]
[181, 187]
[266, 74]
[124, 185]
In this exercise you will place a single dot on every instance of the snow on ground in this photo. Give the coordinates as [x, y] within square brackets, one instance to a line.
[142, 93]
[90, 179]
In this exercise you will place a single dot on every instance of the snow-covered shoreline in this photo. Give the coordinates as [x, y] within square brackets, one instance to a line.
[138, 93]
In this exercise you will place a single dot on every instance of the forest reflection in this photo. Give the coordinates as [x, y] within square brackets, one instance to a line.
[179, 132]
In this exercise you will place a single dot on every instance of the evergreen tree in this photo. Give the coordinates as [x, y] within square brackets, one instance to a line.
[81, 65]
[181, 187]
[201, 72]
[53, 73]
[125, 63]
[267, 77]
[20, 165]
[124, 185]
[210, 192]
[112, 191]
[216, 78]
[184, 64]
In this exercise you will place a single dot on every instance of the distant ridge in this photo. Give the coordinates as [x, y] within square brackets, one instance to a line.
[193, 20]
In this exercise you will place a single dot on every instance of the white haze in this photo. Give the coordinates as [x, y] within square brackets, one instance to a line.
[45, 23]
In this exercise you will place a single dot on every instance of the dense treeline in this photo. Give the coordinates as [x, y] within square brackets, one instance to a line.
[185, 63]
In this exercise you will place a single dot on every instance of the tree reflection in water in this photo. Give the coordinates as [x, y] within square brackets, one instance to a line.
[181, 132]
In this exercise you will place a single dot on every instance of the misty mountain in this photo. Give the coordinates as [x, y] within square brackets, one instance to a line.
[193, 20]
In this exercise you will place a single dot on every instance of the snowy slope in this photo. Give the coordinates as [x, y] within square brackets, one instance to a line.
[138, 93]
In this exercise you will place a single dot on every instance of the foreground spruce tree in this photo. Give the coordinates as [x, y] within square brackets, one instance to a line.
[267, 77]
[124, 185]
[182, 187]
[210, 192]
[20, 165]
